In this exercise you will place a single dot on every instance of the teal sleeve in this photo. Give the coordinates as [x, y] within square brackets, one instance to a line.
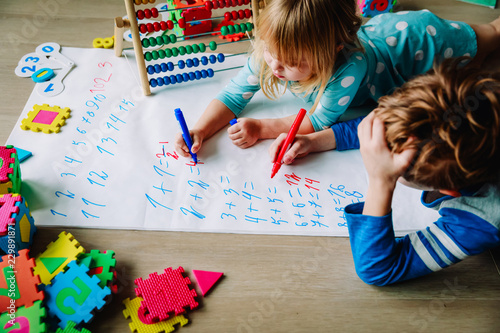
[240, 90]
[339, 92]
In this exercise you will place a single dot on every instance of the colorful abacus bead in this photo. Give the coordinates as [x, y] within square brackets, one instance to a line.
[179, 78]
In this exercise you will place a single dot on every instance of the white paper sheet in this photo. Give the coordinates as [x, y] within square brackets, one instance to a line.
[113, 163]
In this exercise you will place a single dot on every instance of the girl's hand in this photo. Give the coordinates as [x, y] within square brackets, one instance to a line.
[301, 146]
[245, 132]
[181, 147]
[383, 167]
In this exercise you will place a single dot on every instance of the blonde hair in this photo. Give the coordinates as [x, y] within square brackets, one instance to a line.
[296, 29]
[453, 114]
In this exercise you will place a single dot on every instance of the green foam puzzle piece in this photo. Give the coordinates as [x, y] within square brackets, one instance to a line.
[52, 264]
[25, 319]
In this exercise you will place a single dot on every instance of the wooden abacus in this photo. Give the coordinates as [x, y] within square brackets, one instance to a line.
[177, 23]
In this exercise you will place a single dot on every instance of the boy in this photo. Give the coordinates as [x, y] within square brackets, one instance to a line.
[439, 132]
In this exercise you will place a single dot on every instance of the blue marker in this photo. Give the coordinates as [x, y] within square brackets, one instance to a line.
[185, 132]
[233, 121]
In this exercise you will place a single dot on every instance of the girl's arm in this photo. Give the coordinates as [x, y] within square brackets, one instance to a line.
[248, 130]
[215, 117]
[272, 128]
[341, 136]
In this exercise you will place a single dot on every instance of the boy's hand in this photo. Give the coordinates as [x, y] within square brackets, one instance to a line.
[182, 148]
[383, 167]
[245, 132]
[301, 146]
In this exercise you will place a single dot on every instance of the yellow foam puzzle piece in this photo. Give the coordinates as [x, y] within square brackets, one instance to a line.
[66, 246]
[58, 119]
[131, 309]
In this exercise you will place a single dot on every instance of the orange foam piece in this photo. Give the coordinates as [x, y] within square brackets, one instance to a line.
[18, 282]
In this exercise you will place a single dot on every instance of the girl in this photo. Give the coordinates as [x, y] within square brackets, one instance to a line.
[316, 49]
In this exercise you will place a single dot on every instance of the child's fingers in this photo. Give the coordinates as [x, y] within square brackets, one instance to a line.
[275, 147]
[365, 128]
[180, 145]
[378, 133]
[293, 152]
[404, 159]
[238, 141]
[196, 143]
[236, 135]
[235, 128]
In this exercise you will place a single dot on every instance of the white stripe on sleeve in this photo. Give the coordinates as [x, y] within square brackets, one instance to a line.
[423, 253]
[447, 242]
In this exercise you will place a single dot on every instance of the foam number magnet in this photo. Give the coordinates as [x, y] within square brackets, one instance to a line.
[40, 67]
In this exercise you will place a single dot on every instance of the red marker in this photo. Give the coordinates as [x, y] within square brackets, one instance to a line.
[288, 141]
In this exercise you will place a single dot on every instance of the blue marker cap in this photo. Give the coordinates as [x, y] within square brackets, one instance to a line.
[233, 121]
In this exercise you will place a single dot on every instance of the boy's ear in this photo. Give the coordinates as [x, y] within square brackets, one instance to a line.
[452, 193]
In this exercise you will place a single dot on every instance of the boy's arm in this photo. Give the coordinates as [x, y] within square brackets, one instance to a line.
[383, 167]
[346, 134]
[380, 258]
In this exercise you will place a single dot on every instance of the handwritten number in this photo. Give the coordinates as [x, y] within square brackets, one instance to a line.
[70, 195]
[104, 175]
[57, 213]
[103, 64]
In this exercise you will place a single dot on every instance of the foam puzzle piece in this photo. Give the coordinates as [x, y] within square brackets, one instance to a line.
[10, 172]
[21, 225]
[165, 293]
[45, 118]
[23, 154]
[206, 279]
[24, 320]
[57, 255]
[74, 295]
[371, 8]
[71, 328]
[101, 265]
[18, 284]
[132, 308]
[9, 205]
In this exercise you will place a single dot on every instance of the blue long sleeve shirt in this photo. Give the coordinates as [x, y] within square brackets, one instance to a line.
[468, 226]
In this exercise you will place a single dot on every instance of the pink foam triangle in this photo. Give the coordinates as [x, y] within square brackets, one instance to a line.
[206, 279]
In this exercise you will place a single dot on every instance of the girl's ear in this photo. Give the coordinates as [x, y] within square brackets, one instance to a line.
[340, 47]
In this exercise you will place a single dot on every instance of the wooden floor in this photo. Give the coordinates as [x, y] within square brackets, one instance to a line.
[271, 283]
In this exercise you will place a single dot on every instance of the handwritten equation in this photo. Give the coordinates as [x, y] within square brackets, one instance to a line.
[113, 164]
[299, 201]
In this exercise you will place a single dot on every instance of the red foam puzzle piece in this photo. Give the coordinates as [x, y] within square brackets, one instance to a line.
[9, 205]
[165, 293]
[206, 279]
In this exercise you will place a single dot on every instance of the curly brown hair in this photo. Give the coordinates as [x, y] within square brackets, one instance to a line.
[453, 115]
